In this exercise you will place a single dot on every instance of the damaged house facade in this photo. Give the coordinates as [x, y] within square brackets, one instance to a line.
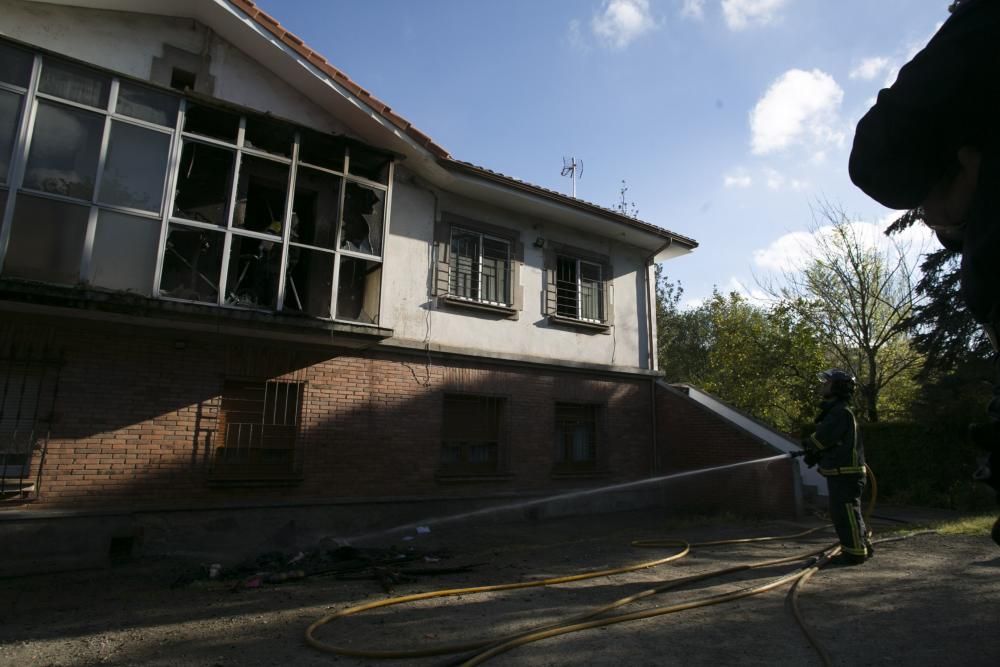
[233, 280]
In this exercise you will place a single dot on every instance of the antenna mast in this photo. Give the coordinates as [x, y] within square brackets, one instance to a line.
[574, 170]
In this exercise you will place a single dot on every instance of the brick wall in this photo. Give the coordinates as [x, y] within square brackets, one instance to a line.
[690, 436]
[137, 413]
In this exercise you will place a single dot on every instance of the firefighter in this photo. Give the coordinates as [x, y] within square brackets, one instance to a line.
[836, 447]
[932, 141]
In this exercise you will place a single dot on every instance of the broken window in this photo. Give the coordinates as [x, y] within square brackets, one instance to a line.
[10, 117]
[258, 429]
[321, 150]
[316, 208]
[125, 248]
[579, 289]
[309, 281]
[260, 196]
[576, 436]
[135, 167]
[369, 164]
[211, 122]
[46, 240]
[65, 147]
[74, 83]
[254, 267]
[192, 264]
[358, 290]
[472, 434]
[270, 136]
[361, 229]
[147, 104]
[480, 267]
[203, 183]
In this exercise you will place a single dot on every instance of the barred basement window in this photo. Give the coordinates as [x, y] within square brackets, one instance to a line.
[576, 436]
[473, 434]
[258, 430]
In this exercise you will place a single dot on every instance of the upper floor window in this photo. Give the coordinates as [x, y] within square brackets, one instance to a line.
[478, 266]
[577, 288]
[255, 213]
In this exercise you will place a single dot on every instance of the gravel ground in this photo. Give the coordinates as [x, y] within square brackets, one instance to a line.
[927, 600]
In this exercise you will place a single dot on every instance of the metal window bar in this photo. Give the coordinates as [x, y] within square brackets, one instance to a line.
[579, 290]
[576, 431]
[261, 422]
[27, 398]
[472, 433]
[480, 267]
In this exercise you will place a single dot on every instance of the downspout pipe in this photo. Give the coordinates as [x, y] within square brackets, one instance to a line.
[651, 346]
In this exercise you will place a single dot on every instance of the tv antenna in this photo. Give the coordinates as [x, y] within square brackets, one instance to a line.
[574, 170]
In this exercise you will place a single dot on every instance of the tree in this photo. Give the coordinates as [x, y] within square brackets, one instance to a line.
[860, 299]
[761, 360]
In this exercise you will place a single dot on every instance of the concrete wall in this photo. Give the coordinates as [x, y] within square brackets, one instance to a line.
[128, 43]
[412, 313]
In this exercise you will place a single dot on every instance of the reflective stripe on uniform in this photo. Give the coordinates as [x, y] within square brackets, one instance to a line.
[815, 441]
[845, 470]
[857, 547]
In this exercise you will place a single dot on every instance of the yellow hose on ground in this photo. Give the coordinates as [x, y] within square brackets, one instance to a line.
[499, 644]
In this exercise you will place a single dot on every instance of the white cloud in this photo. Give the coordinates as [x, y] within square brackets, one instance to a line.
[869, 68]
[774, 178]
[737, 179]
[752, 294]
[799, 108]
[792, 252]
[622, 21]
[693, 9]
[742, 14]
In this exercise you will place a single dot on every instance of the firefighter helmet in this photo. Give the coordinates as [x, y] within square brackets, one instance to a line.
[841, 382]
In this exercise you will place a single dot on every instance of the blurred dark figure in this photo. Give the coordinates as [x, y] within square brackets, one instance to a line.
[932, 141]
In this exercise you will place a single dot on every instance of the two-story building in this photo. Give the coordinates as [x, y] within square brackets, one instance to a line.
[233, 280]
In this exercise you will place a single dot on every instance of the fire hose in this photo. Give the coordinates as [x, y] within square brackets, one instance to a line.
[477, 651]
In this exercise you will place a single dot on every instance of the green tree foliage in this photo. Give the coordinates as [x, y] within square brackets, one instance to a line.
[760, 360]
[860, 299]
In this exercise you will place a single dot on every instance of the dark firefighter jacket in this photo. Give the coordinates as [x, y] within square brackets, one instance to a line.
[837, 440]
[946, 97]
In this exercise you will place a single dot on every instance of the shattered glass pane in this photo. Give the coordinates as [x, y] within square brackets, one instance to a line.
[203, 183]
[147, 104]
[46, 240]
[135, 167]
[74, 83]
[369, 164]
[15, 65]
[260, 195]
[254, 267]
[124, 256]
[358, 290]
[268, 135]
[192, 264]
[322, 150]
[316, 208]
[361, 230]
[309, 282]
[10, 114]
[211, 122]
[65, 146]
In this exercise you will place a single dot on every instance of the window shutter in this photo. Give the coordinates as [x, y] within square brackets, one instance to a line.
[442, 269]
[549, 286]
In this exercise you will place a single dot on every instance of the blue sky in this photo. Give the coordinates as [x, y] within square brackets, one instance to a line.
[728, 119]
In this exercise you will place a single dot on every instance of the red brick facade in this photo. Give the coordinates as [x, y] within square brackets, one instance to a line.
[137, 411]
[690, 436]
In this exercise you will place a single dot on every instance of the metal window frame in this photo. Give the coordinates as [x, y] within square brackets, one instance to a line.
[593, 410]
[479, 266]
[601, 304]
[31, 97]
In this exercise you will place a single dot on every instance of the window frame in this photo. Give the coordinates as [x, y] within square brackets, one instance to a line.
[444, 262]
[481, 237]
[22, 140]
[223, 469]
[463, 469]
[564, 465]
[553, 253]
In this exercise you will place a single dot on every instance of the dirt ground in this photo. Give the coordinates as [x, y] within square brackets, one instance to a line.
[927, 600]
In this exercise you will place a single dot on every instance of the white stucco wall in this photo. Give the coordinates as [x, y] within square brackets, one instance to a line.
[409, 308]
[127, 43]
